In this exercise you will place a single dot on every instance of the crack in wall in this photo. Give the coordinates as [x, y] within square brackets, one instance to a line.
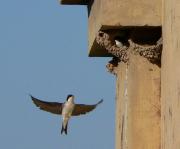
[122, 132]
[125, 114]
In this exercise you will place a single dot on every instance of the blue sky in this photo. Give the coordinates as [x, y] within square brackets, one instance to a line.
[44, 52]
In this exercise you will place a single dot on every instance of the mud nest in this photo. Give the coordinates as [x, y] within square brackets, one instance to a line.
[150, 52]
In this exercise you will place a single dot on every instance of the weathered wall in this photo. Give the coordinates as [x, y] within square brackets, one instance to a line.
[171, 75]
[138, 105]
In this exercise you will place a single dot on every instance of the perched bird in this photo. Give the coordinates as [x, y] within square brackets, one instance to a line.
[66, 109]
[118, 42]
[121, 41]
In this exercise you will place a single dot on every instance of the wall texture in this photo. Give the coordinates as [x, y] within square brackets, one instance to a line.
[138, 111]
[171, 75]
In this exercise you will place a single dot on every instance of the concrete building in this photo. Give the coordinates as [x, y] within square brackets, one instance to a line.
[148, 75]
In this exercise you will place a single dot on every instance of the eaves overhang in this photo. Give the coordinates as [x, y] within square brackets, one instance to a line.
[74, 2]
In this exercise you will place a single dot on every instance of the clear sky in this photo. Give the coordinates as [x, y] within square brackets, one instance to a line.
[44, 52]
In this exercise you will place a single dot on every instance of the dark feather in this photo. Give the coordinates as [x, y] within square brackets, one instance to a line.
[52, 107]
[83, 109]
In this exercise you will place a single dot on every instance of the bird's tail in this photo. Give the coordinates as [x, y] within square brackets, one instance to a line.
[64, 129]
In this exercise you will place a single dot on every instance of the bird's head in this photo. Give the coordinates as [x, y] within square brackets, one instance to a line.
[118, 38]
[70, 97]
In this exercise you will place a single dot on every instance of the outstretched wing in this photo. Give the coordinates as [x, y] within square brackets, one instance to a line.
[52, 107]
[83, 109]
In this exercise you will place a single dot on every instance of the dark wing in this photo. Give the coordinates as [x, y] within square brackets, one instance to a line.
[83, 109]
[53, 107]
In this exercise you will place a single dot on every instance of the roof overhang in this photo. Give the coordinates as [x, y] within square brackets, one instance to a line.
[74, 2]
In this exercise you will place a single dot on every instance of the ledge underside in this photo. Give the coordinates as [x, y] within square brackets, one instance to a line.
[140, 34]
[74, 2]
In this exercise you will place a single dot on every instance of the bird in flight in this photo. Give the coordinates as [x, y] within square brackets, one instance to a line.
[66, 109]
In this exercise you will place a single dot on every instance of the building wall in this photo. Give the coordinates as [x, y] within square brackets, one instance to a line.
[138, 111]
[171, 75]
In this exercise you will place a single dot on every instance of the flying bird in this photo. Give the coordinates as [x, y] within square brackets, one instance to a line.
[66, 109]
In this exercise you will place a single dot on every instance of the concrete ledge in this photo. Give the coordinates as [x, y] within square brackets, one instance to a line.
[74, 2]
[120, 14]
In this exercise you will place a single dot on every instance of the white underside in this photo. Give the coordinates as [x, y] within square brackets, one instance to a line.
[67, 111]
[119, 44]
